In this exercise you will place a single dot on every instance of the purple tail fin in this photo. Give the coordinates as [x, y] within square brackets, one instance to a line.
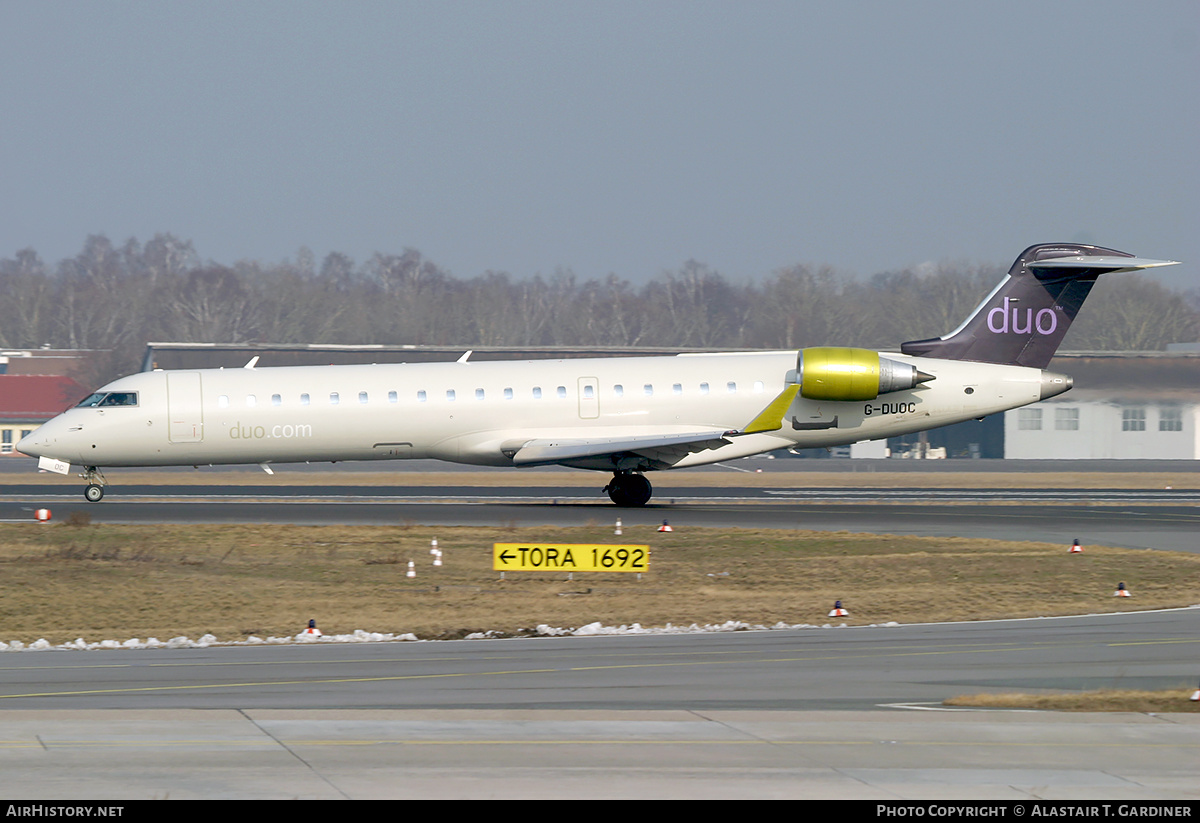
[1024, 319]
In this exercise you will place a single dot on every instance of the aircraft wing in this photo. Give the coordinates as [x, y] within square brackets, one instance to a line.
[668, 448]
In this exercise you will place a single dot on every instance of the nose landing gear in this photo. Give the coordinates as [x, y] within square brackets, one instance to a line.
[94, 491]
[629, 490]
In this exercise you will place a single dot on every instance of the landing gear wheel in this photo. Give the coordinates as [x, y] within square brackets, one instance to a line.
[94, 492]
[629, 490]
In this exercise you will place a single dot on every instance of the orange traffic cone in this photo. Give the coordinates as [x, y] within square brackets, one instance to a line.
[665, 527]
[1076, 548]
[1121, 591]
[838, 611]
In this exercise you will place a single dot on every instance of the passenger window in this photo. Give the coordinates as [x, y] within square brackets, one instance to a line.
[508, 394]
[276, 400]
[731, 387]
[677, 388]
[619, 390]
[362, 397]
[704, 388]
[251, 401]
[223, 401]
[421, 396]
[304, 399]
[537, 392]
[589, 392]
[393, 397]
[333, 398]
[450, 394]
[648, 390]
[479, 394]
[758, 387]
[562, 391]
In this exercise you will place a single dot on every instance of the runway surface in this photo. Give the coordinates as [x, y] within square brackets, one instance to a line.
[1135, 520]
[834, 712]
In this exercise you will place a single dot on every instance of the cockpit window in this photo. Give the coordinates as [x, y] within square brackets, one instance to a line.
[112, 398]
[92, 399]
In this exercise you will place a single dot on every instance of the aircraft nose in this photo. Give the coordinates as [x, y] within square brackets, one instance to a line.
[48, 441]
[32, 444]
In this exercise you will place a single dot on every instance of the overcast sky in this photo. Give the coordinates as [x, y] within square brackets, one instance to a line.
[623, 137]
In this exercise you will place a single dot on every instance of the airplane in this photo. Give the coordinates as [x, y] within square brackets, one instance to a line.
[624, 415]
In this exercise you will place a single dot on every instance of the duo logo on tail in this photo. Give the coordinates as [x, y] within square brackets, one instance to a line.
[1023, 321]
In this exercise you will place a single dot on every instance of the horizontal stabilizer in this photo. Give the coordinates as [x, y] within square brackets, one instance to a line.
[1110, 265]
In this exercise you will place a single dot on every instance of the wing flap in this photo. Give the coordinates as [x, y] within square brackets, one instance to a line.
[547, 451]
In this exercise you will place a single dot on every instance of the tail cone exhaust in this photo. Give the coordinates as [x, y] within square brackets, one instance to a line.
[1055, 384]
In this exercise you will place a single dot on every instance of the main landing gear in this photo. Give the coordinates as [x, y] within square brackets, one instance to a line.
[629, 490]
[94, 491]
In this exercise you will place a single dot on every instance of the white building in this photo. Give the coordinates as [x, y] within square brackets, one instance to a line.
[1122, 406]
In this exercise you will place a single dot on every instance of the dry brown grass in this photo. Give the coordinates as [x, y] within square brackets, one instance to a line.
[114, 582]
[1171, 700]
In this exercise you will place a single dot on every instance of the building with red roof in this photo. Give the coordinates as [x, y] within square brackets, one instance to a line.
[27, 400]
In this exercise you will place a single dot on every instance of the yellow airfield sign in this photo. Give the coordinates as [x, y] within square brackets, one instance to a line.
[569, 557]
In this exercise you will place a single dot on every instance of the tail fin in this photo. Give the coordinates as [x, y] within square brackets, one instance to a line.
[1024, 319]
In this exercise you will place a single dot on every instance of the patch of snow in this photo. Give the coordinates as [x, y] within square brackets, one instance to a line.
[596, 629]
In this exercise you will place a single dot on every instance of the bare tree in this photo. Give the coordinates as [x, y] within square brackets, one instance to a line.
[28, 301]
[210, 306]
[118, 298]
[802, 306]
[1132, 313]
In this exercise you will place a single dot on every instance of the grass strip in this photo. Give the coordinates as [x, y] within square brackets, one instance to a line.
[64, 581]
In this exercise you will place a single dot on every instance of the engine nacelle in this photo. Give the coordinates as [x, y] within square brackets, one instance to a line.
[832, 373]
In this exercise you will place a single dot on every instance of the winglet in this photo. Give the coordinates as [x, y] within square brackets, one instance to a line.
[771, 418]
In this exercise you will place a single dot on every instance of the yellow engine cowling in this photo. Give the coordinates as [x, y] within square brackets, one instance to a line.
[832, 373]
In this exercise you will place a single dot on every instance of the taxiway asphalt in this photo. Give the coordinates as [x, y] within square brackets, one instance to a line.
[821, 712]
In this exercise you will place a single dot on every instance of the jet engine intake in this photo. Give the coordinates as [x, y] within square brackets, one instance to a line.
[834, 373]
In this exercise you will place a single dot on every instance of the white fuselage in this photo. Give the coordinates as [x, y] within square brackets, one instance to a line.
[467, 412]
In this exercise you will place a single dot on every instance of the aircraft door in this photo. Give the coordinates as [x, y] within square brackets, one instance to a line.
[589, 398]
[185, 413]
